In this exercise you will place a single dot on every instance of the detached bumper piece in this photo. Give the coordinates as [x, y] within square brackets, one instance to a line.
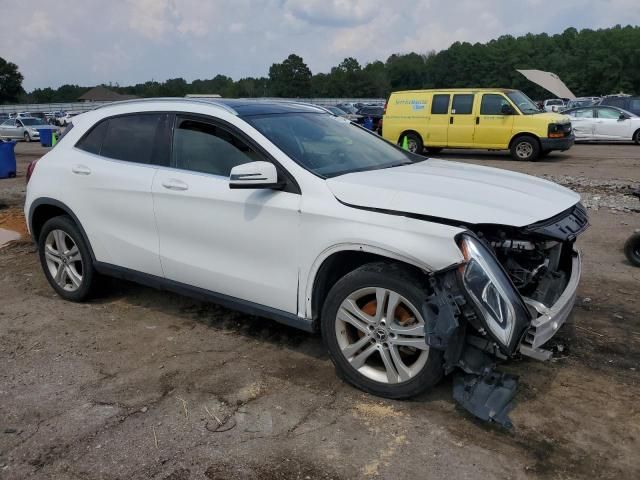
[488, 396]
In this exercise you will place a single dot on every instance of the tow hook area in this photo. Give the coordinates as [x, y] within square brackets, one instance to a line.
[480, 389]
[488, 396]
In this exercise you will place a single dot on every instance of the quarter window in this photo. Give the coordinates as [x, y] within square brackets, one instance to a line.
[440, 105]
[203, 147]
[492, 104]
[92, 142]
[462, 104]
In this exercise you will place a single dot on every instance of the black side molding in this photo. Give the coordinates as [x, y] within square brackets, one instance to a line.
[227, 301]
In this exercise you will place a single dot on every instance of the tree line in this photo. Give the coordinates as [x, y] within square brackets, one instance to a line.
[590, 62]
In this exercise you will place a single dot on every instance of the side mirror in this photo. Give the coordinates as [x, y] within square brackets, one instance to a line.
[622, 117]
[255, 175]
[506, 110]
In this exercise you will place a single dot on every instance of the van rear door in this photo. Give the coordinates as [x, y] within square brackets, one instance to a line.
[462, 121]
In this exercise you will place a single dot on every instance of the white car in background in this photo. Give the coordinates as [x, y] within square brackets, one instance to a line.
[553, 105]
[604, 124]
[410, 267]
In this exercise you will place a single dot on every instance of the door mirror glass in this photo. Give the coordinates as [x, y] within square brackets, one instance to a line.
[506, 110]
[622, 117]
[255, 175]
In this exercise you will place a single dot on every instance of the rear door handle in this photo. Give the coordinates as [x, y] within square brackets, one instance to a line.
[81, 170]
[477, 120]
[451, 120]
[174, 184]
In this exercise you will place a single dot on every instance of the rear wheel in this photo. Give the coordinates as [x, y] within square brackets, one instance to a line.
[525, 148]
[636, 137]
[374, 331]
[414, 142]
[65, 259]
[632, 249]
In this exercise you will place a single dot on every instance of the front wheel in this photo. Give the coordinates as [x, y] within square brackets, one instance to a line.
[632, 249]
[525, 148]
[374, 331]
[27, 137]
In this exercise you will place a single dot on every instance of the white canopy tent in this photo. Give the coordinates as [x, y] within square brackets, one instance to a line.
[549, 81]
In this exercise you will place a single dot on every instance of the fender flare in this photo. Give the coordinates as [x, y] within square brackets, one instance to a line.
[56, 203]
[353, 247]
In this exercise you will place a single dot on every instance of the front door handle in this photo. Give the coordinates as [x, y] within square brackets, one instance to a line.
[81, 170]
[174, 184]
[451, 120]
[477, 120]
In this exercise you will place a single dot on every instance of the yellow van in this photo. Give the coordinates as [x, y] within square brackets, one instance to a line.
[491, 118]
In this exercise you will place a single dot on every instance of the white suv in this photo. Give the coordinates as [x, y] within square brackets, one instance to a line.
[410, 267]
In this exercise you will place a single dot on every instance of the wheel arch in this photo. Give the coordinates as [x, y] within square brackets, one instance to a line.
[339, 260]
[408, 131]
[524, 134]
[43, 209]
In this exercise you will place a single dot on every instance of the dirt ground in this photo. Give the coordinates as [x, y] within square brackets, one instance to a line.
[142, 384]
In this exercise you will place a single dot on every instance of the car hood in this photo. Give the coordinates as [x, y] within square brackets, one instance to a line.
[466, 193]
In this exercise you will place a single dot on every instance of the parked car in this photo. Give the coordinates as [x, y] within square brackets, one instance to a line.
[25, 128]
[626, 102]
[341, 113]
[410, 267]
[581, 102]
[605, 124]
[496, 119]
[347, 107]
[553, 105]
[375, 113]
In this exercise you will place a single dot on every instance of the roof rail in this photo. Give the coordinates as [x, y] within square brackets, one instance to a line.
[211, 102]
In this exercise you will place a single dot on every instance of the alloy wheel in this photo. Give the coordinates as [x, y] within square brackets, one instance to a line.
[381, 334]
[524, 150]
[64, 260]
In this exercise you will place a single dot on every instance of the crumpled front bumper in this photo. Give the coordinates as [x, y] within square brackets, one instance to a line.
[550, 319]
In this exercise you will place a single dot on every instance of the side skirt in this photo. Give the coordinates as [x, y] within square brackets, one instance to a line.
[227, 301]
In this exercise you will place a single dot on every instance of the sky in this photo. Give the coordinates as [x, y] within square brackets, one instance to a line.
[89, 42]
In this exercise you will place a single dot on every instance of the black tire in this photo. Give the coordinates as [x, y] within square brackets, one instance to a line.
[414, 142]
[434, 150]
[88, 273]
[525, 148]
[409, 285]
[636, 137]
[632, 249]
[27, 137]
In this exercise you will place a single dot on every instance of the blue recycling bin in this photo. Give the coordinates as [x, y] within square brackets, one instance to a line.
[368, 123]
[45, 137]
[7, 159]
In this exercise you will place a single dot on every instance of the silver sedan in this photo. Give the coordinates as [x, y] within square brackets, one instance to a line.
[24, 129]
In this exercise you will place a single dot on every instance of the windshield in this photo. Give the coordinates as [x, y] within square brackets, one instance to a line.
[31, 121]
[329, 146]
[524, 103]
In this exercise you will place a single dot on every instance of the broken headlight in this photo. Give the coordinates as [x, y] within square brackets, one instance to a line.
[499, 303]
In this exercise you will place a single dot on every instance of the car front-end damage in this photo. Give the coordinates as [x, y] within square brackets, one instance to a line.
[514, 290]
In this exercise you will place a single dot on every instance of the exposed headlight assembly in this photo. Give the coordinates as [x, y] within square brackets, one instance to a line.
[500, 306]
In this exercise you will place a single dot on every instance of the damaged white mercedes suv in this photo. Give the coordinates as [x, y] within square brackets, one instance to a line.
[412, 268]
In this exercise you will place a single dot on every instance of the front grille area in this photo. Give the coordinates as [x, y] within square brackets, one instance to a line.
[565, 226]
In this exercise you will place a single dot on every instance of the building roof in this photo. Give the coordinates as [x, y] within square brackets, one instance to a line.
[102, 94]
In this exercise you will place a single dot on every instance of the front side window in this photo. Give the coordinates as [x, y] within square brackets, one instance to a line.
[328, 146]
[609, 113]
[524, 103]
[203, 147]
[492, 104]
[462, 104]
[440, 105]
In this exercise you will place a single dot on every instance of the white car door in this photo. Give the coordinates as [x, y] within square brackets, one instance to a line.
[610, 126]
[112, 170]
[583, 123]
[12, 129]
[242, 243]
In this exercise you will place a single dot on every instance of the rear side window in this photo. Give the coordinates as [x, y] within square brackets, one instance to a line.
[92, 142]
[131, 138]
[440, 104]
[492, 104]
[462, 104]
[204, 147]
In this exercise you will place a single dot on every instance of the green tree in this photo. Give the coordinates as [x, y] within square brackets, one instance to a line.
[291, 78]
[10, 82]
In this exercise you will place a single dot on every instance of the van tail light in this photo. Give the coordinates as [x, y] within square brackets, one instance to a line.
[384, 112]
[30, 168]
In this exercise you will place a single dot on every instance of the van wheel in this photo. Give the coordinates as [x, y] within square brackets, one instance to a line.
[632, 249]
[434, 150]
[414, 142]
[374, 330]
[525, 148]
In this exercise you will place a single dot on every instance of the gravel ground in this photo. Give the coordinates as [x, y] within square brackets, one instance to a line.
[136, 383]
